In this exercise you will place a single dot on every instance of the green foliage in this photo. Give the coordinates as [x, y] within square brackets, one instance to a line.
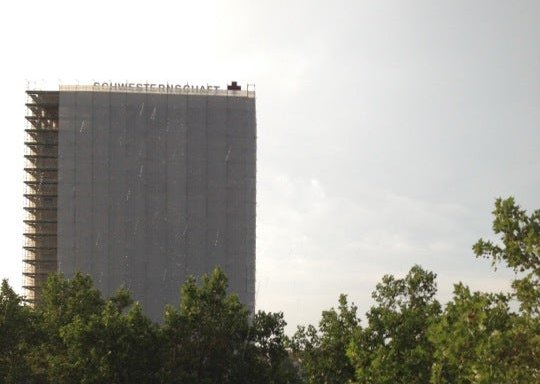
[520, 250]
[471, 339]
[65, 300]
[209, 339]
[17, 330]
[273, 361]
[206, 337]
[479, 339]
[520, 236]
[87, 339]
[112, 347]
[322, 352]
[475, 339]
[394, 347]
[74, 335]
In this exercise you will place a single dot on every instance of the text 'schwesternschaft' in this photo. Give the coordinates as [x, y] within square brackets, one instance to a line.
[159, 87]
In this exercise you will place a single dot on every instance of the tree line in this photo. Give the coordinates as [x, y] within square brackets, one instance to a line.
[74, 335]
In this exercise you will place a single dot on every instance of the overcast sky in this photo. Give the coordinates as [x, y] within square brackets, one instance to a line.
[386, 129]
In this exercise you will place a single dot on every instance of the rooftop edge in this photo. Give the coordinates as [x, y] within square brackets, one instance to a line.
[178, 89]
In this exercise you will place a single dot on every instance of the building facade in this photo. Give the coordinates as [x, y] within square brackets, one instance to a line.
[142, 187]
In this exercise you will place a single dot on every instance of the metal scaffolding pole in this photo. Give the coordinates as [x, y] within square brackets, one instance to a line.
[41, 191]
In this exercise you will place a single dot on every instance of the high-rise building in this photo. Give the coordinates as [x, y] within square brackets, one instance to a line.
[141, 185]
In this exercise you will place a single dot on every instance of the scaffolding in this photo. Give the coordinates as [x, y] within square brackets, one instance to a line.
[41, 190]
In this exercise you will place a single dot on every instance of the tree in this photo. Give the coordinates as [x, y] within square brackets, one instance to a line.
[322, 351]
[88, 339]
[479, 339]
[113, 347]
[76, 336]
[394, 347]
[473, 340]
[208, 338]
[520, 250]
[63, 301]
[205, 337]
[273, 358]
[17, 330]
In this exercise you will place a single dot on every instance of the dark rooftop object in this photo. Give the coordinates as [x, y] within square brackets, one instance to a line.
[234, 87]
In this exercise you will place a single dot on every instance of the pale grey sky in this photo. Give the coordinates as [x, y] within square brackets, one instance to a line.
[386, 128]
